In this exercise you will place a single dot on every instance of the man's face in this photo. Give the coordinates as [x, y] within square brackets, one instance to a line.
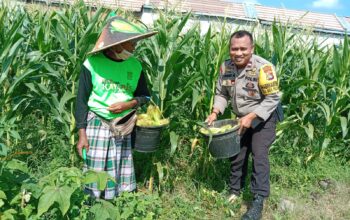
[241, 50]
[129, 46]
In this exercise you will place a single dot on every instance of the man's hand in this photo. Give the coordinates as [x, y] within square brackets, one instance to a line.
[83, 142]
[119, 107]
[246, 122]
[213, 116]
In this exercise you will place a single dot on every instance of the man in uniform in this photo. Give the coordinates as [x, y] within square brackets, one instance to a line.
[250, 83]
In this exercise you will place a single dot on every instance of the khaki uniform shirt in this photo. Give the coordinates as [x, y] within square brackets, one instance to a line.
[251, 89]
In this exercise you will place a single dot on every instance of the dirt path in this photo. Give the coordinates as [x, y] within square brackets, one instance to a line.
[330, 201]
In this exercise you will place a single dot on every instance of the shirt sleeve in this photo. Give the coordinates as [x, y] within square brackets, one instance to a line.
[84, 91]
[268, 85]
[141, 94]
[221, 94]
[268, 105]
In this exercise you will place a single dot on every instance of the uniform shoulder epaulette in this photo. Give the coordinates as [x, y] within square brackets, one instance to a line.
[223, 66]
[261, 60]
[228, 61]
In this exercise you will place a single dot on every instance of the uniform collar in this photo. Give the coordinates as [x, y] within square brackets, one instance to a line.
[250, 64]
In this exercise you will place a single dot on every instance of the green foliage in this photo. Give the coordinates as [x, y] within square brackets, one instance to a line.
[52, 194]
[105, 210]
[165, 59]
[139, 206]
[41, 52]
[60, 194]
[100, 178]
[40, 57]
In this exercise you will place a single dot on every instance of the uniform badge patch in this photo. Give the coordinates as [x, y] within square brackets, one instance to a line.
[251, 93]
[250, 85]
[268, 80]
[269, 72]
[250, 89]
[251, 72]
[228, 82]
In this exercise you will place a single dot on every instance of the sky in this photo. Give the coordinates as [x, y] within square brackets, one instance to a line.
[338, 7]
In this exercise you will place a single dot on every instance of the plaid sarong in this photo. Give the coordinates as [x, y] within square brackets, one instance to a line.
[111, 154]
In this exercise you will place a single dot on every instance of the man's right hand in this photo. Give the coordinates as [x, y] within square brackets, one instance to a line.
[83, 142]
[212, 117]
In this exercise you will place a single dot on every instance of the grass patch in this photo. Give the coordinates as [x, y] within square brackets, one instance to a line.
[299, 185]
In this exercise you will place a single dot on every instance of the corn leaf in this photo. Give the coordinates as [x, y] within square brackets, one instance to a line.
[344, 126]
[309, 130]
[174, 139]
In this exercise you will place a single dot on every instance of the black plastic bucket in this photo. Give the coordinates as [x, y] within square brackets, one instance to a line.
[224, 145]
[147, 138]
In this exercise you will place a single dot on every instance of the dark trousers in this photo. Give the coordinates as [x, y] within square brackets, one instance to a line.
[256, 141]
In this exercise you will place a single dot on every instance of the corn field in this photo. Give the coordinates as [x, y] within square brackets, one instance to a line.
[41, 52]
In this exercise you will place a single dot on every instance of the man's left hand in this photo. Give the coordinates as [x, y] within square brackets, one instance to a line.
[246, 122]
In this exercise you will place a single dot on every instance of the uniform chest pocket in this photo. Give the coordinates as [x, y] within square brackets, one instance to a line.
[228, 82]
[228, 79]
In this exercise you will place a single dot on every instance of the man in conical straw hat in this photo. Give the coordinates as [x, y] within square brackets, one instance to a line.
[111, 86]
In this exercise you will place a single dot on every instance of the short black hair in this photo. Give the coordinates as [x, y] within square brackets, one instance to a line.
[242, 33]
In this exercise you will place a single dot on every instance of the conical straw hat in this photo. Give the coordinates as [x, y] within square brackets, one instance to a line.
[119, 30]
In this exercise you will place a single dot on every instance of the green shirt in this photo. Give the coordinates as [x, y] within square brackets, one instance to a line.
[112, 82]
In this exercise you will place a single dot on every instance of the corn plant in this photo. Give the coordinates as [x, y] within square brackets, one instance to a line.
[314, 89]
[166, 61]
[41, 56]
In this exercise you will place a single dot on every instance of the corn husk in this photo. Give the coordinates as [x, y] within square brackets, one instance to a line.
[153, 117]
[220, 130]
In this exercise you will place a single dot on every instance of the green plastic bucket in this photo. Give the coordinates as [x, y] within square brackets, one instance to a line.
[224, 145]
[147, 139]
